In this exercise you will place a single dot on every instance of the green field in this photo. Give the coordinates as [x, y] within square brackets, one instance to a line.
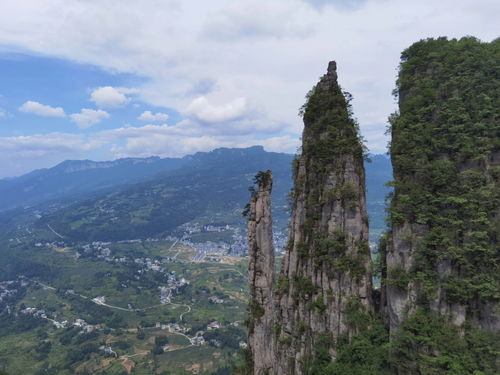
[65, 286]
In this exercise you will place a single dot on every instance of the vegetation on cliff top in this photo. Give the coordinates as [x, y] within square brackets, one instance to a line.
[445, 145]
[444, 141]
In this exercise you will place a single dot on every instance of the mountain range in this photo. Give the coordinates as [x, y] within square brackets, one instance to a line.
[141, 197]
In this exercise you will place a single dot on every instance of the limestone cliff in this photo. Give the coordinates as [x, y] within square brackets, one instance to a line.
[326, 272]
[442, 256]
[261, 275]
[440, 270]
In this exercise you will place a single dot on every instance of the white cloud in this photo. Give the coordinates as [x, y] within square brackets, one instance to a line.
[42, 109]
[89, 117]
[3, 113]
[184, 138]
[43, 144]
[202, 110]
[258, 20]
[149, 116]
[285, 144]
[164, 142]
[269, 53]
[25, 153]
[110, 97]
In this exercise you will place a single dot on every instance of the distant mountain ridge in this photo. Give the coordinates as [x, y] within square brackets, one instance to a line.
[154, 194]
[209, 187]
[72, 177]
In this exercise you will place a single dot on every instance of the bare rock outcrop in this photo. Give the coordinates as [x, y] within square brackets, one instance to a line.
[326, 272]
[261, 275]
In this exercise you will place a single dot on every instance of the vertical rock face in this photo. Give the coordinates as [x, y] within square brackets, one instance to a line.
[442, 257]
[325, 275]
[261, 275]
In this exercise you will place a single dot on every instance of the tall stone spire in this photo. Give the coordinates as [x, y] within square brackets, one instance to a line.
[261, 275]
[326, 272]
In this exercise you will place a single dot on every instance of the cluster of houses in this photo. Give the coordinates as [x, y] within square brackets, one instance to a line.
[52, 245]
[149, 264]
[237, 247]
[165, 293]
[108, 350]
[100, 250]
[172, 284]
[86, 328]
[9, 288]
[41, 313]
[215, 300]
[198, 339]
[172, 327]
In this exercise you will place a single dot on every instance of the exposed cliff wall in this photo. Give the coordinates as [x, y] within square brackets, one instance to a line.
[325, 278]
[442, 254]
[261, 276]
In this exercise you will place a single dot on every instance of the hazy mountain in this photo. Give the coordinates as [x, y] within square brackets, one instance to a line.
[209, 187]
[130, 198]
[73, 177]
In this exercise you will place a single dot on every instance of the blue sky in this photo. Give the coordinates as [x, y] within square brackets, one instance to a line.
[121, 78]
[58, 83]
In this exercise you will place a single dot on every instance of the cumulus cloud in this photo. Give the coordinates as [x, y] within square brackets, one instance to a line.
[149, 116]
[42, 109]
[269, 53]
[89, 117]
[184, 138]
[341, 4]
[202, 110]
[110, 97]
[250, 19]
[42, 144]
[148, 141]
[25, 153]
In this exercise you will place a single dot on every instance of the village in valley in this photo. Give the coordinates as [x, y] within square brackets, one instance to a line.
[146, 289]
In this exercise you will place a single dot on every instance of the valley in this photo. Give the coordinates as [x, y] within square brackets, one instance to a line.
[166, 294]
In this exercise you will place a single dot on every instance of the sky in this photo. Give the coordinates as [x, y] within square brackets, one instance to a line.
[107, 79]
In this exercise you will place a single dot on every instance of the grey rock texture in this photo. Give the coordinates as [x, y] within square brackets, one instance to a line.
[261, 276]
[326, 272]
[402, 252]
